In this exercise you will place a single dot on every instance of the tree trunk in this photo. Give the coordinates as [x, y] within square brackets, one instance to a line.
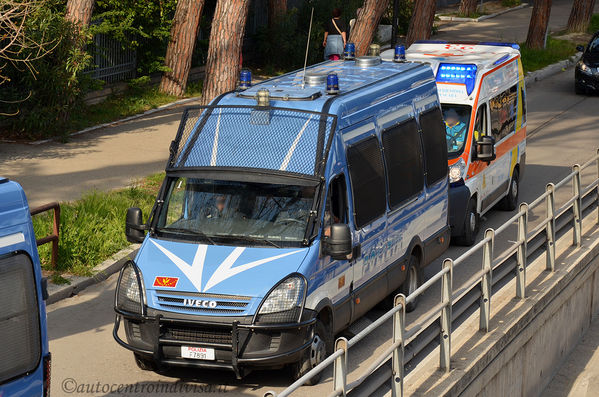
[180, 47]
[539, 20]
[580, 16]
[366, 24]
[468, 7]
[276, 10]
[421, 24]
[224, 49]
[80, 11]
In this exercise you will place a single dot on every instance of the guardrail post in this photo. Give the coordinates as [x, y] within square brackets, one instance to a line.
[485, 281]
[522, 251]
[550, 228]
[446, 294]
[340, 367]
[577, 207]
[399, 323]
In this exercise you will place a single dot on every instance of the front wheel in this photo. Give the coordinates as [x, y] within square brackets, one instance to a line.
[579, 89]
[319, 349]
[510, 201]
[471, 225]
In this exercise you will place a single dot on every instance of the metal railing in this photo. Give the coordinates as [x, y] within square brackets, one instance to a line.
[437, 321]
[55, 236]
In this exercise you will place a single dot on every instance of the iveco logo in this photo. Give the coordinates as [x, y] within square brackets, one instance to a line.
[199, 303]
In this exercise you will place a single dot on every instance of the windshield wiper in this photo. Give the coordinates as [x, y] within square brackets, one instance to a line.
[187, 231]
[251, 239]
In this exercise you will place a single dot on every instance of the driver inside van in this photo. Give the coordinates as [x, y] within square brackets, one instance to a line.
[455, 130]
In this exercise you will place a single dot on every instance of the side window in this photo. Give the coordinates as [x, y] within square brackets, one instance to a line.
[503, 113]
[523, 99]
[435, 145]
[403, 158]
[366, 171]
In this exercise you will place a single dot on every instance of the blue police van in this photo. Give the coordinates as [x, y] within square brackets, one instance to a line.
[289, 209]
[24, 353]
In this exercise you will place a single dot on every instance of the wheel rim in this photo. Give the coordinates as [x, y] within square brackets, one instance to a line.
[514, 189]
[413, 284]
[317, 351]
[472, 221]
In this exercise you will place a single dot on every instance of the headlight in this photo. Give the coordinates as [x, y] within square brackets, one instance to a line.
[284, 303]
[583, 67]
[456, 171]
[129, 290]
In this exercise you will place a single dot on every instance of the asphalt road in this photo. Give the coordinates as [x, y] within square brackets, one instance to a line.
[87, 361]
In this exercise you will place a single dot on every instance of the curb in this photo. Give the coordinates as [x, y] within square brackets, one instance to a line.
[548, 71]
[101, 273]
[481, 18]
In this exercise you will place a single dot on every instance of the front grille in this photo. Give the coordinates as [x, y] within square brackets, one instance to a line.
[200, 335]
[202, 302]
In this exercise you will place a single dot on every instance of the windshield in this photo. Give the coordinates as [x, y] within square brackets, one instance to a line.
[239, 213]
[457, 120]
[594, 46]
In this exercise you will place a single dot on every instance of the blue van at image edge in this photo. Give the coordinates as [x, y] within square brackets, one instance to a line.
[289, 209]
[25, 356]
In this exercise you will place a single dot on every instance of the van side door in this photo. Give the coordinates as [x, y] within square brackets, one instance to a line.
[368, 190]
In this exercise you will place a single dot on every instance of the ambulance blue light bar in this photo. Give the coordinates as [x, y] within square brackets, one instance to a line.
[458, 74]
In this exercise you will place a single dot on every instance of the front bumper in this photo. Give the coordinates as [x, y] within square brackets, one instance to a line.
[239, 345]
[587, 80]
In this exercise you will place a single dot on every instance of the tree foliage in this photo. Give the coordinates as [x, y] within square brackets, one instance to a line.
[38, 95]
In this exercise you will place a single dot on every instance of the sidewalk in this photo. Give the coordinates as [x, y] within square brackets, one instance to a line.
[113, 157]
[579, 374]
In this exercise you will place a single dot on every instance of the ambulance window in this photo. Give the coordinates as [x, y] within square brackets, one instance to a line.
[403, 158]
[435, 145]
[503, 113]
[366, 171]
[523, 99]
[480, 127]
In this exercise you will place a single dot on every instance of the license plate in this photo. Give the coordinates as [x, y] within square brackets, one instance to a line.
[197, 353]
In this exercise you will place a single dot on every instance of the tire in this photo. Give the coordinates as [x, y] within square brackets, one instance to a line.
[510, 201]
[320, 349]
[411, 282]
[579, 89]
[471, 226]
[145, 364]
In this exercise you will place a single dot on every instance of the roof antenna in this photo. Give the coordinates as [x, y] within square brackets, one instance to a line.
[307, 48]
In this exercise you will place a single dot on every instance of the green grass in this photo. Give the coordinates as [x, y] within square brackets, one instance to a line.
[93, 228]
[135, 100]
[594, 25]
[555, 51]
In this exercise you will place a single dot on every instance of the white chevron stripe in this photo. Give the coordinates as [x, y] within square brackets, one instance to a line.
[194, 271]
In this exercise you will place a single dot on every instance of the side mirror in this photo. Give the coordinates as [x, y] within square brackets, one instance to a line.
[485, 148]
[580, 48]
[134, 227]
[338, 244]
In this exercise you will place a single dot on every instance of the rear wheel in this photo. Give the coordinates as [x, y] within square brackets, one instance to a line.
[411, 283]
[510, 201]
[319, 349]
[145, 364]
[471, 225]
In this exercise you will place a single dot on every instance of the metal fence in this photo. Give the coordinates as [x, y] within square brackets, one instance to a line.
[437, 322]
[112, 62]
[55, 236]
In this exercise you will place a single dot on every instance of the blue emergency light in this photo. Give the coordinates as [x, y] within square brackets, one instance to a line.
[400, 53]
[245, 79]
[350, 51]
[332, 84]
[458, 74]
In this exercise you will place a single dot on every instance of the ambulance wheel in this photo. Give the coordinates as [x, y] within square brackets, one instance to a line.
[471, 225]
[143, 363]
[411, 283]
[319, 349]
[510, 201]
[579, 89]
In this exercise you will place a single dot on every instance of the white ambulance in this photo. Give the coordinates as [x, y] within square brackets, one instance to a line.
[482, 93]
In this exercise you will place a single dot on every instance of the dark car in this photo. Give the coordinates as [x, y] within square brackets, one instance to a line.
[586, 75]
